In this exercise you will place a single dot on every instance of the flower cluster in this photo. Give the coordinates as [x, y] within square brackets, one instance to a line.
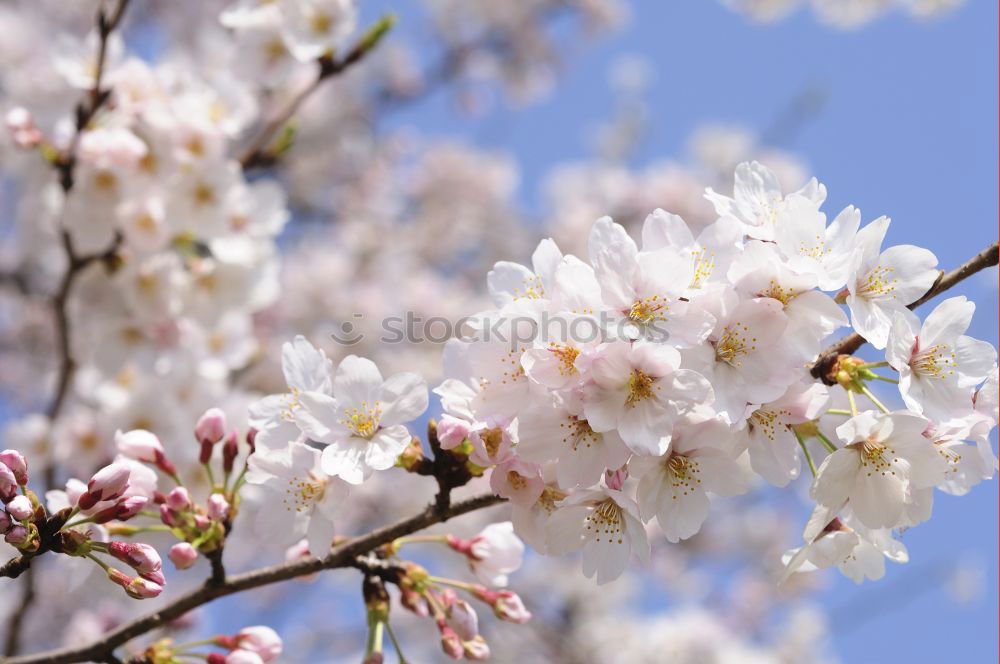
[251, 645]
[634, 386]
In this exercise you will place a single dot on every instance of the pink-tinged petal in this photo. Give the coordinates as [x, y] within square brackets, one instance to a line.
[835, 478]
[403, 397]
[386, 446]
[357, 381]
[319, 417]
[345, 459]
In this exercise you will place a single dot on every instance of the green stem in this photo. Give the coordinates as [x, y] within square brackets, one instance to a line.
[868, 393]
[838, 411]
[805, 450]
[395, 642]
[887, 380]
[450, 582]
[211, 475]
[854, 404]
[830, 447]
[375, 636]
[97, 560]
[876, 365]
[78, 523]
[415, 539]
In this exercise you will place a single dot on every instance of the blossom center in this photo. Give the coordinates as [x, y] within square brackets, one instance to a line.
[704, 264]
[364, 421]
[935, 362]
[878, 284]
[607, 521]
[578, 432]
[304, 492]
[492, 438]
[734, 344]
[566, 356]
[876, 457]
[649, 309]
[640, 386]
[682, 473]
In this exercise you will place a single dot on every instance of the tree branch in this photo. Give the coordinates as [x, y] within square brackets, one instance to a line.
[986, 258]
[343, 555]
[257, 153]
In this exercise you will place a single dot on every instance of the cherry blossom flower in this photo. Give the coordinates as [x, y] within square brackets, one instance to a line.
[674, 487]
[885, 457]
[301, 499]
[640, 391]
[882, 283]
[938, 365]
[306, 369]
[757, 201]
[362, 425]
[606, 525]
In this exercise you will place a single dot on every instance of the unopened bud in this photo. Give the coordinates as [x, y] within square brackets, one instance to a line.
[615, 479]
[411, 456]
[451, 431]
[178, 499]
[5, 521]
[123, 510]
[252, 439]
[135, 587]
[451, 644]
[240, 656]
[18, 537]
[209, 430]
[476, 648]
[17, 463]
[8, 483]
[262, 640]
[183, 555]
[141, 557]
[108, 483]
[506, 605]
[229, 451]
[139, 444]
[20, 508]
[168, 516]
[218, 507]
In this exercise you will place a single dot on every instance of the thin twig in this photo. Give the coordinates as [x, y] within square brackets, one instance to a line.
[986, 258]
[257, 152]
[343, 555]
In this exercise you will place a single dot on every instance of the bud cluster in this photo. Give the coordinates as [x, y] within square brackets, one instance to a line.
[21, 508]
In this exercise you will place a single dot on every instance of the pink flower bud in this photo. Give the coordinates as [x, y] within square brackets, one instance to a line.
[252, 439]
[183, 555]
[123, 510]
[241, 656]
[139, 444]
[476, 649]
[463, 619]
[215, 658]
[451, 432]
[229, 451]
[178, 499]
[17, 536]
[218, 507]
[209, 430]
[8, 483]
[135, 587]
[262, 640]
[506, 605]
[108, 483]
[141, 557]
[615, 479]
[74, 489]
[168, 516]
[450, 641]
[413, 601]
[201, 521]
[17, 464]
[5, 521]
[20, 508]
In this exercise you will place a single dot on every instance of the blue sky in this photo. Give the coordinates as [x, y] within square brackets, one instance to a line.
[908, 129]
